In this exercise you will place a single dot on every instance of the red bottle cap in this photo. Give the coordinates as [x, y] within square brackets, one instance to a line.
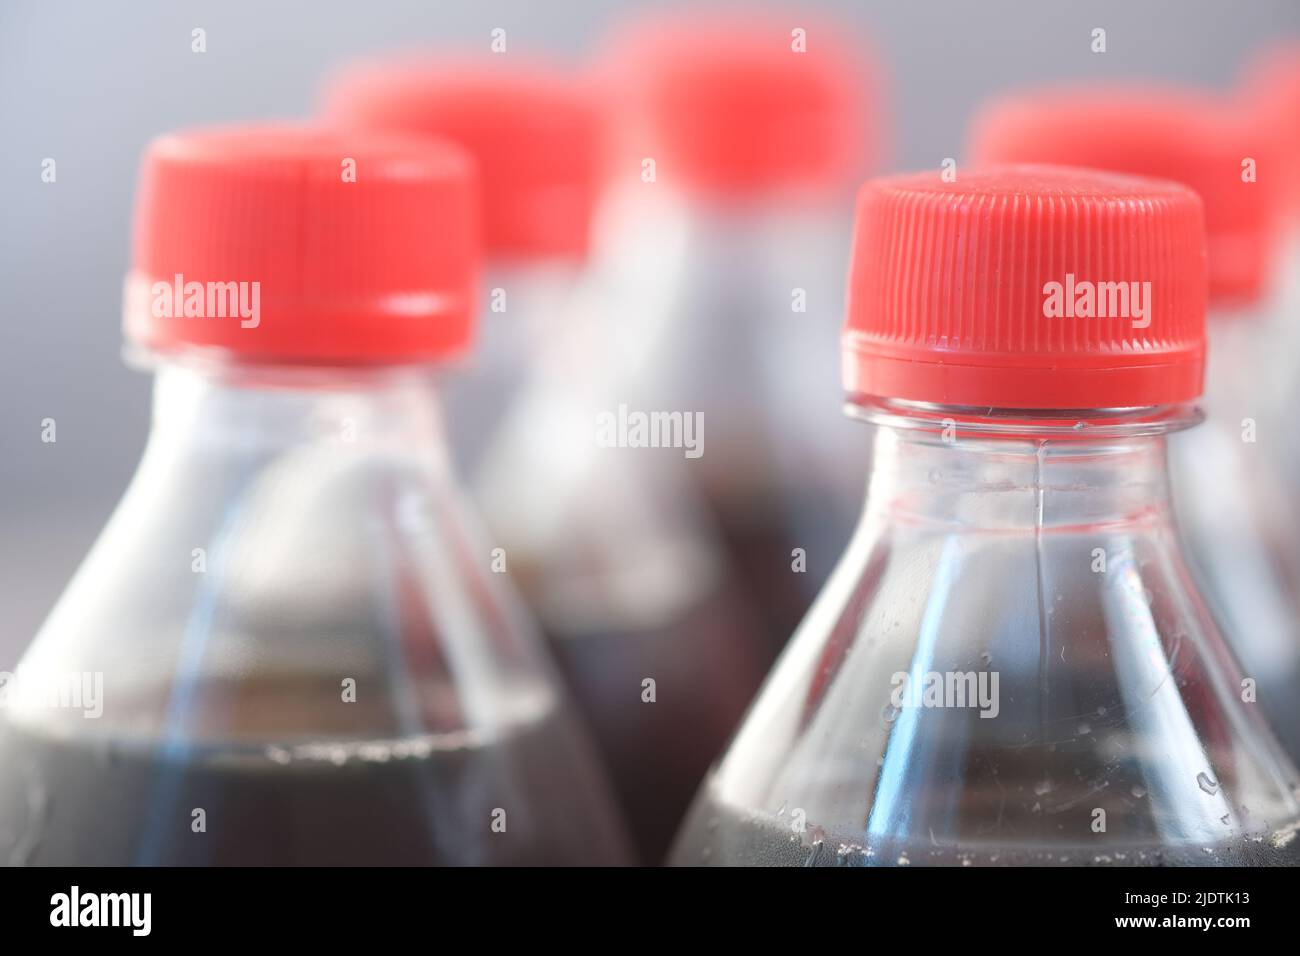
[1270, 92]
[291, 244]
[737, 105]
[532, 128]
[1027, 287]
[1190, 137]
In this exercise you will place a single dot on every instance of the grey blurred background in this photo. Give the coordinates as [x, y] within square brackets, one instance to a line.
[88, 83]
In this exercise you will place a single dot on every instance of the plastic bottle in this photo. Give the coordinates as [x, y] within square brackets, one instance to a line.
[612, 548]
[735, 146]
[1269, 94]
[622, 561]
[532, 128]
[287, 646]
[1236, 505]
[1011, 663]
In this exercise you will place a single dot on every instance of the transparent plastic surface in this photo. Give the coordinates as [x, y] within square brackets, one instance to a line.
[1240, 517]
[756, 289]
[303, 655]
[523, 305]
[620, 560]
[1276, 377]
[1085, 710]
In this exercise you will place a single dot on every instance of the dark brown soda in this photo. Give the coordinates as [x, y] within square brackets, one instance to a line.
[430, 800]
[706, 666]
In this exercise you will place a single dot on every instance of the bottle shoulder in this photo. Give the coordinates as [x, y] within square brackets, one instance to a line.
[277, 578]
[1010, 691]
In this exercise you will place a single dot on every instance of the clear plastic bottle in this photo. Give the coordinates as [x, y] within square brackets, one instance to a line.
[736, 143]
[1241, 519]
[1234, 498]
[301, 652]
[532, 128]
[614, 552]
[1269, 95]
[1011, 664]
[622, 562]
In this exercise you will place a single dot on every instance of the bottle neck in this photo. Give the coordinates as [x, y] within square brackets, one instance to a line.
[1018, 471]
[260, 411]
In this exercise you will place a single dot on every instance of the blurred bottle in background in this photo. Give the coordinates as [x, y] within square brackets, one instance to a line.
[1011, 664]
[736, 141]
[1239, 514]
[1270, 93]
[623, 564]
[287, 645]
[532, 128]
[612, 548]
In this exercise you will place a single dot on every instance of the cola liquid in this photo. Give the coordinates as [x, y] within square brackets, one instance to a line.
[717, 834]
[760, 543]
[432, 799]
[705, 667]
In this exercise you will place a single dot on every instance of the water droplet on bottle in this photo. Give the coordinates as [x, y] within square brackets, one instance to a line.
[890, 713]
[1208, 784]
[1139, 791]
[986, 658]
[1042, 787]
